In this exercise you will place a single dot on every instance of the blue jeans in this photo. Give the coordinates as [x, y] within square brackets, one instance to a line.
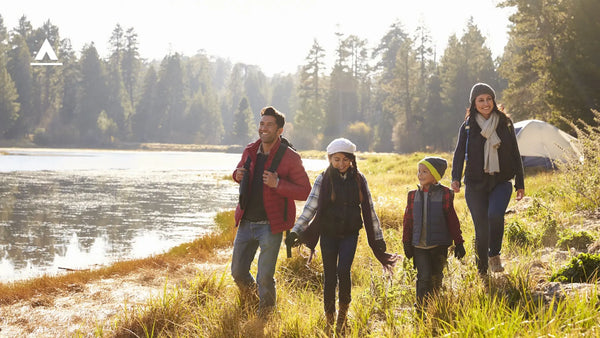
[430, 265]
[338, 255]
[249, 237]
[487, 210]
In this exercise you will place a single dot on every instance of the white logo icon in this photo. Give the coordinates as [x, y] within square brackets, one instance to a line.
[46, 50]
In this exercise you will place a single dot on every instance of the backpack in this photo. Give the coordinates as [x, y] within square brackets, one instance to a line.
[243, 199]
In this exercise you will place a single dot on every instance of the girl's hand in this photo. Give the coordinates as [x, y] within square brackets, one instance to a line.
[455, 186]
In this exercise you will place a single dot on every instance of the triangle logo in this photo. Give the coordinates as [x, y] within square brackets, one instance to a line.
[46, 49]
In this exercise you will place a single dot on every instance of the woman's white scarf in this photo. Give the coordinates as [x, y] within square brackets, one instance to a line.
[491, 164]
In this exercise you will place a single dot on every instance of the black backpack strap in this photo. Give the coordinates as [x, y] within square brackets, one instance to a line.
[278, 156]
[247, 164]
[468, 129]
[274, 164]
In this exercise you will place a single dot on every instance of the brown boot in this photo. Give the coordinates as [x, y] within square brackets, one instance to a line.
[329, 321]
[496, 264]
[342, 321]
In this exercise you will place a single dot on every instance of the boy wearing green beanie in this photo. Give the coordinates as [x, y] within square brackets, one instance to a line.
[430, 226]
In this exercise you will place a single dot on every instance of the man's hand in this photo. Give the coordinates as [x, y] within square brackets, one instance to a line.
[239, 173]
[270, 179]
[455, 185]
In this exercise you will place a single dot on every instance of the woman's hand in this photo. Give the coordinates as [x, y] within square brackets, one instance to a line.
[520, 194]
[455, 186]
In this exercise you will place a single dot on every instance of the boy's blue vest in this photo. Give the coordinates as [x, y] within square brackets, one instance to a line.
[437, 228]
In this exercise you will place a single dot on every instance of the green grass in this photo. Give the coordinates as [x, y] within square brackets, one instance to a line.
[504, 305]
[508, 304]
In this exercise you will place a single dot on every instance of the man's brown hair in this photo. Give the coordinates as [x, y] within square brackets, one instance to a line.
[279, 117]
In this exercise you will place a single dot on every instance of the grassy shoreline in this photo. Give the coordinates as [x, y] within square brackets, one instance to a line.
[509, 304]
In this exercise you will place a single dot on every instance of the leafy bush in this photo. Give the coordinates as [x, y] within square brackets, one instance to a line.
[549, 236]
[578, 240]
[581, 269]
[518, 235]
[583, 174]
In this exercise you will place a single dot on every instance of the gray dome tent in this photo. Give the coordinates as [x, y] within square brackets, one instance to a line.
[542, 144]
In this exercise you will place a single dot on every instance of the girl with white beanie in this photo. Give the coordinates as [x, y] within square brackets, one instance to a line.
[338, 205]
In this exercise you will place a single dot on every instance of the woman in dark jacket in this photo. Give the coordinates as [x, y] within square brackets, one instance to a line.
[487, 142]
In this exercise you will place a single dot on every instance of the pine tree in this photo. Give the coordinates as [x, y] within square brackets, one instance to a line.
[575, 74]
[118, 107]
[385, 54]
[18, 66]
[531, 50]
[170, 102]
[145, 123]
[243, 123]
[342, 99]
[130, 64]
[9, 106]
[308, 120]
[94, 95]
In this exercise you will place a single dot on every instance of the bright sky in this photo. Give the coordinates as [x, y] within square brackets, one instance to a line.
[273, 34]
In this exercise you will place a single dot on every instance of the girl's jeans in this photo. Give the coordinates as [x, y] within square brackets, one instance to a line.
[250, 236]
[338, 255]
[487, 210]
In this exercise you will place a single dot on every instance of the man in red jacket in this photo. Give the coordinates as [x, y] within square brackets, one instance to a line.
[270, 209]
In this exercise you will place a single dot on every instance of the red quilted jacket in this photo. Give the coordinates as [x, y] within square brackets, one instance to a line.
[293, 185]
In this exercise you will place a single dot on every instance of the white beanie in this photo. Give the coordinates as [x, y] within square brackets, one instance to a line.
[341, 145]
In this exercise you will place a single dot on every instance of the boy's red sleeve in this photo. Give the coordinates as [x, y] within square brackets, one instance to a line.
[407, 225]
[452, 218]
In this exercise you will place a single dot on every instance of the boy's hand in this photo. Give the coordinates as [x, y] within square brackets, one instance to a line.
[408, 250]
[459, 251]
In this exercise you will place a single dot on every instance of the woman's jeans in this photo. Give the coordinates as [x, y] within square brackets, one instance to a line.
[487, 210]
[338, 255]
[430, 265]
[250, 236]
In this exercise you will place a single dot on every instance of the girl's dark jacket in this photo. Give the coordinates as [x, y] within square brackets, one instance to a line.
[310, 234]
[508, 153]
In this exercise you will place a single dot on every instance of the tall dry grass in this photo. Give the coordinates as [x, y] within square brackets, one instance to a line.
[509, 304]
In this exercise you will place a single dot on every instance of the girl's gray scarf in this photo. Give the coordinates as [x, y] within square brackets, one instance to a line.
[491, 163]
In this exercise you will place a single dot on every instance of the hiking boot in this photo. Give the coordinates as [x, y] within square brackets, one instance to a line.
[329, 321]
[496, 264]
[342, 321]
[266, 312]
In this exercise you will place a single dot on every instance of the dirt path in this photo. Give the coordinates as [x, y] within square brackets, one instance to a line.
[90, 308]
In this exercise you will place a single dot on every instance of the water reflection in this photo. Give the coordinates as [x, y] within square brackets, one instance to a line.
[74, 209]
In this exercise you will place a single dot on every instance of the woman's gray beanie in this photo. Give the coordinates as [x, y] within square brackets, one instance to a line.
[481, 88]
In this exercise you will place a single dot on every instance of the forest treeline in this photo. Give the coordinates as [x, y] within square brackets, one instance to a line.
[399, 96]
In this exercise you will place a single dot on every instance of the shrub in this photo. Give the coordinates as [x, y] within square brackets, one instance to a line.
[549, 235]
[581, 269]
[518, 235]
[583, 174]
[578, 240]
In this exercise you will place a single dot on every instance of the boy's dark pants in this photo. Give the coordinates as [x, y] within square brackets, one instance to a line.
[430, 265]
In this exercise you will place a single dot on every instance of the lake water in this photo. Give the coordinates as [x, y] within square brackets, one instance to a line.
[74, 209]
